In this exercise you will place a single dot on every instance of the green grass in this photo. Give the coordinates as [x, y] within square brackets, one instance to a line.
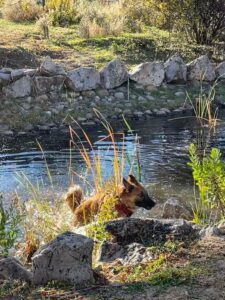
[65, 45]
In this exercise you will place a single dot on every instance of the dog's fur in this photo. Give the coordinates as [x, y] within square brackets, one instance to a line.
[130, 196]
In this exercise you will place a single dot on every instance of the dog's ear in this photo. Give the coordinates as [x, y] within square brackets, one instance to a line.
[132, 179]
[128, 186]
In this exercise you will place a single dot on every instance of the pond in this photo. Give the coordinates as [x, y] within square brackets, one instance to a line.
[163, 149]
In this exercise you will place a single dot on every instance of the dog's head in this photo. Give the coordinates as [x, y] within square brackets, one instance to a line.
[134, 195]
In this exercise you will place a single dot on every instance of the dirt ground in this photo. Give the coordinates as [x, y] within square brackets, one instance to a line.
[208, 255]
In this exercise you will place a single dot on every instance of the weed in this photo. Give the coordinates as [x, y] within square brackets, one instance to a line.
[203, 107]
[209, 176]
[9, 229]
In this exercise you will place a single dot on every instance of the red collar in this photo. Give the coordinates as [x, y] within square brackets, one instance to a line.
[123, 210]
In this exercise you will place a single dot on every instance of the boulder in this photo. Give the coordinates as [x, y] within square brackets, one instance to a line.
[44, 85]
[220, 70]
[67, 258]
[50, 68]
[17, 74]
[132, 254]
[173, 209]
[149, 73]
[150, 231]
[12, 269]
[4, 79]
[175, 69]
[83, 79]
[19, 89]
[201, 69]
[113, 74]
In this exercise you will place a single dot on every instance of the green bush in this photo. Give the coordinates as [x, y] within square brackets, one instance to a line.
[209, 175]
[9, 230]
[20, 10]
[62, 12]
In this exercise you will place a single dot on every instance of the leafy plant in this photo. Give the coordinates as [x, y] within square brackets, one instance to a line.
[9, 229]
[209, 176]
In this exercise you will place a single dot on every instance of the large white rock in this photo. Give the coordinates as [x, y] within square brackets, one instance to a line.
[19, 89]
[175, 69]
[113, 74]
[44, 85]
[12, 269]
[220, 70]
[149, 73]
[83, 79]
[50, 68]
[67, 258]
[201, 69]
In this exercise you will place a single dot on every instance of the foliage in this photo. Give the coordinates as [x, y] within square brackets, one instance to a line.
[100, 20]
[202, 20]
[203, 107]
[62, 12]
[20, 10]
[9, 230]
[209, 176]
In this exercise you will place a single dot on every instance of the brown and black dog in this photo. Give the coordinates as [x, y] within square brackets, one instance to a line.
[130, 196]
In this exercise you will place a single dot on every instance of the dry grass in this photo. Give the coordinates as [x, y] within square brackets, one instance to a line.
[20, 10]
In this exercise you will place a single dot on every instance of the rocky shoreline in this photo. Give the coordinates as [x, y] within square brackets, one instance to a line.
[48, 99]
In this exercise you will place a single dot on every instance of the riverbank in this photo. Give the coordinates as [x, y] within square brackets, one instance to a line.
[49, 99]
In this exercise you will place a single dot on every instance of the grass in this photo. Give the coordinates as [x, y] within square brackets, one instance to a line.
[66, 46]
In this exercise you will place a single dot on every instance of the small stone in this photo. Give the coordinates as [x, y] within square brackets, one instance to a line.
[148, 112]
[119, 96]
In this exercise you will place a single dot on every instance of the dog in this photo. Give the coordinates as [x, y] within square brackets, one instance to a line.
[130, 195]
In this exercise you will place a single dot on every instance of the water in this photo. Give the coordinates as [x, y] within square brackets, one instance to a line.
[163, 157]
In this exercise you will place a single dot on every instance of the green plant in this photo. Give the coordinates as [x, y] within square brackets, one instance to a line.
[209, 175]
[203, 107]
[9, 229]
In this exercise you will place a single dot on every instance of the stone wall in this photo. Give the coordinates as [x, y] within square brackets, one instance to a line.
[47, 98]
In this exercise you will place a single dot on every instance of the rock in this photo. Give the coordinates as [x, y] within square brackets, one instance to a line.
[4, 79]
[101, 93]
[16, 74]
[50, 68]
[149, 231]
[113, 74]
[175, 69]
[149, 73]
[173, 209]
[119, 96]
[12, 269]
[67, 258]
[220, 70]
[44, 85]
[221, 228]
[19, 89]
[83, 79]
[201, 69]
[209, 232]
[132, 254]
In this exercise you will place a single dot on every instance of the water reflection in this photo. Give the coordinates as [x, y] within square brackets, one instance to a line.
[163, 156]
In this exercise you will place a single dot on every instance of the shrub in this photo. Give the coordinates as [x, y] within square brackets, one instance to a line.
[20, 10]
[62, 12]
[9, 230]
[100, 20]
[209, 176]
